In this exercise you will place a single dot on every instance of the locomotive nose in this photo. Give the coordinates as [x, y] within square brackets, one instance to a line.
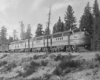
[80, 38]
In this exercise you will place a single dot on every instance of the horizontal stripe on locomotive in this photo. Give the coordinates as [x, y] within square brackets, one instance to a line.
[66, 41]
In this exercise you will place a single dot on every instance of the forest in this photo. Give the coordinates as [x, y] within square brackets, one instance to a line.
[89, 22]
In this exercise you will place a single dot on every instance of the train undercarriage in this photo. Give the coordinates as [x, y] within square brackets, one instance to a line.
[52, 49]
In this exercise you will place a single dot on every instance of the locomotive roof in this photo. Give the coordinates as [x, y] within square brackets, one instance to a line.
[52, 34]
[20, 41]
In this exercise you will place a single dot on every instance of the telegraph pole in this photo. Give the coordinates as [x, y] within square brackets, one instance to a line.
[48, 26]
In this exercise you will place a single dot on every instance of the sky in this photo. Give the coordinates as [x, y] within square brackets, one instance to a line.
[36, 11]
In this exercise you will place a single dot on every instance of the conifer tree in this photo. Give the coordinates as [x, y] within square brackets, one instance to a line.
[39, 31]
[28, 34]
[10, 39]
[70, 20]
[22, 35]
[15, 38]
[55, 28]
[59, 26]
[47, 31]
[3, 35]
[86, 22]
[95, 44]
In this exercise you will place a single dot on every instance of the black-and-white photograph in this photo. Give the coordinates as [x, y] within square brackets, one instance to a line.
[49, 39]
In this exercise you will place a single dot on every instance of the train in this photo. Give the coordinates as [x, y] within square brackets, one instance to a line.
[72, 40]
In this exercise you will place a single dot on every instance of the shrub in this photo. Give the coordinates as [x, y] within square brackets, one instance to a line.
[3, 56]
[10, 66]
[47, 76]
[57, 71]
[52, 56]
[44, 63]
[19, 73]
[71, 63]
[36, 57]
[68, 70]
[58, 57]
[31, 68]
[62, 58]
[34, 64]
[97, 57]
[91, 64]
[36, 79]
[67, 65]
[43, 56]
[2, 63]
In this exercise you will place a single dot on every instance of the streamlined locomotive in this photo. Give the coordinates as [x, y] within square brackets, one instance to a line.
[63, 41]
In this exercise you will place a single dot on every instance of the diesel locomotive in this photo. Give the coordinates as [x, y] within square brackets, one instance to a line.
[62, 41]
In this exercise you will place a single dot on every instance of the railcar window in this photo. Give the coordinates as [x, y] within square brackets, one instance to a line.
[61, 38]
[57, 35]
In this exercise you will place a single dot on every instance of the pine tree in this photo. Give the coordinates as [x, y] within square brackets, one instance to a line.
[70, 20]
[96, 14]
[3, 35]
[15, 38]
[59, 26]
[62, 27]
[96, 9]
[95, 44]
[39, 31]
[86, 22]
[22, 35]
[55, 28]
[47, 31]
[28, 34]
[10, 39]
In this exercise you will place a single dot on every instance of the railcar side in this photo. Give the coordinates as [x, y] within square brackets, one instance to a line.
[12, 47]
[19, 46]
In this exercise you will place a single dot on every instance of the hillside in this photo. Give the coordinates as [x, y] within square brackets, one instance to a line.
[41, 66]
